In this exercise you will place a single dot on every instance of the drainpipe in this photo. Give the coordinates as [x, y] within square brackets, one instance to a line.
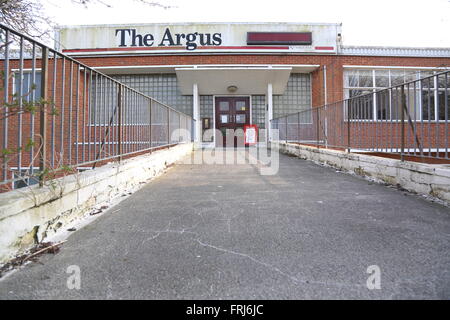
[325, 84]
[325, 103]
[269, 113]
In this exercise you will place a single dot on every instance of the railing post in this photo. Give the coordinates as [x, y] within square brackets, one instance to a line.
[286, 129]
[43, 116]
[119, 124]
[179, 128]
[168, 128]
[317, 129]
[192, 130]
[348, 125]
[151, 142]
[403, 123]
[6, 99]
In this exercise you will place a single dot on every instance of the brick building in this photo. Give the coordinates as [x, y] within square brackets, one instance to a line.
[229, 74]
[225, 76]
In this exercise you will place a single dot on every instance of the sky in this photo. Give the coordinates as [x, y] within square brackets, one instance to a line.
[401, 23]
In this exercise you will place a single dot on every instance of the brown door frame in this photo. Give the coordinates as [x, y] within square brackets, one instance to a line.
[215, 113]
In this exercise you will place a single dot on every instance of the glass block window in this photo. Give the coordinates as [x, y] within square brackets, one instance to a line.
[206, 111]
[162, 87]
[259, 111]
[103, 104]
[297, 96]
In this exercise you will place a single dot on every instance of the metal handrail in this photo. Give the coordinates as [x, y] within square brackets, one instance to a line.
[410, 119]
[85, 117]
[365, 94]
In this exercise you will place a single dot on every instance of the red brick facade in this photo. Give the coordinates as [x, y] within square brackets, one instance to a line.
[334, 64]
[334, 67]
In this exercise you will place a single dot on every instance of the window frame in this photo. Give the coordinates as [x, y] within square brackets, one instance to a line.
[16, 73]
[14, 181]
[374, 89]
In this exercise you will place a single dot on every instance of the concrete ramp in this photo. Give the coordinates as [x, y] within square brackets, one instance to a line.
[227, 232]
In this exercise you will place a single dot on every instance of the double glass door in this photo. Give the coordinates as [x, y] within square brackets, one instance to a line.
[232, 114]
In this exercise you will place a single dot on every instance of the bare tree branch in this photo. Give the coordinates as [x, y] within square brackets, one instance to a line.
[105, 3]
[26, 16]
[29, 17]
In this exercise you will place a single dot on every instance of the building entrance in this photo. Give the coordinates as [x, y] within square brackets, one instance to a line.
[232, 114]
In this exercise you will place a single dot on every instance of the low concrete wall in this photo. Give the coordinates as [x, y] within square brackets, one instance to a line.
[29, 215]
[426, 179]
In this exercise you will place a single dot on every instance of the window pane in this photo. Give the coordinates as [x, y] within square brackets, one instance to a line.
[351, 78]
[397, 77]
[20, 184]
[365, 78]
[382, 78]
[396, 104]
[24, 179]
[224, 106]
[411, 76]
[413, 103]
[355, 93]
[31, 89]
[427, 83]
[441, 105]
[428, 105]
[424, 74]
[383, 103]
[444, 81]
[240, 118]
[224, 118]
[361, 108]
[240, 106]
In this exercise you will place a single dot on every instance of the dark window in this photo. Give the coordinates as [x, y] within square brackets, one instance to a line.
[29, 89]
[428, 105]
[24, 178]
[361, 108]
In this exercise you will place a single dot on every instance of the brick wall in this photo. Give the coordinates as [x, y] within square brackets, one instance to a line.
[333, 63]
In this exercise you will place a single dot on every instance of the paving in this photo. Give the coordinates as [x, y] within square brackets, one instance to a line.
[227, 232]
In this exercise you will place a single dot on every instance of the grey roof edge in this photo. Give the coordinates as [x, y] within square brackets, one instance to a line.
[420, 52]
[442, 52]
[59, 27]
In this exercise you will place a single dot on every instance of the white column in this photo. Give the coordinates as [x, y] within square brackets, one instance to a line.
[196, 113]
[269, 113]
